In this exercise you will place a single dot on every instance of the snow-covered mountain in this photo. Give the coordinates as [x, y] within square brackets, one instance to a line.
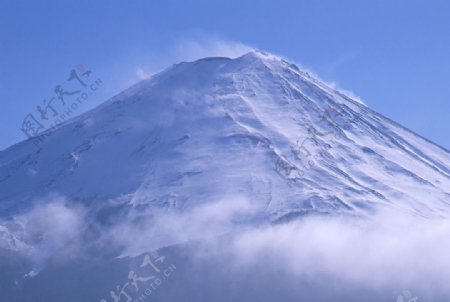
[255, 128]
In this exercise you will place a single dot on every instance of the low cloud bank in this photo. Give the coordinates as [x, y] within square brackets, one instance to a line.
[387, 251]
[42, 231]
[164, 228]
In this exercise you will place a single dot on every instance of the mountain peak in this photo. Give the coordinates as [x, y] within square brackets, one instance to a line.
[261, 56]
[256, 53]
[247, 58]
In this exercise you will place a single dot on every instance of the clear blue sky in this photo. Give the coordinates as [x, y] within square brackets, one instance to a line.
[395, 55]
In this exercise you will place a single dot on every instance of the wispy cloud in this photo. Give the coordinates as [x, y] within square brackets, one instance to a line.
[142, 74]
[386, 251]
[185, 49]
[189, 49]
[167, 228]
[383, 252]
[40, 232]
[339, 62]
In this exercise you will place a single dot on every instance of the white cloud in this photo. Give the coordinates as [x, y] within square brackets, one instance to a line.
[141, 74]
[208, 46]
[52, 224]
[168, 228]
[340, 61]
[184, 49]
[385, 251]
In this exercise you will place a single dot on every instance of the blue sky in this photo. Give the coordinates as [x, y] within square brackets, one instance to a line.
[395, 55]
